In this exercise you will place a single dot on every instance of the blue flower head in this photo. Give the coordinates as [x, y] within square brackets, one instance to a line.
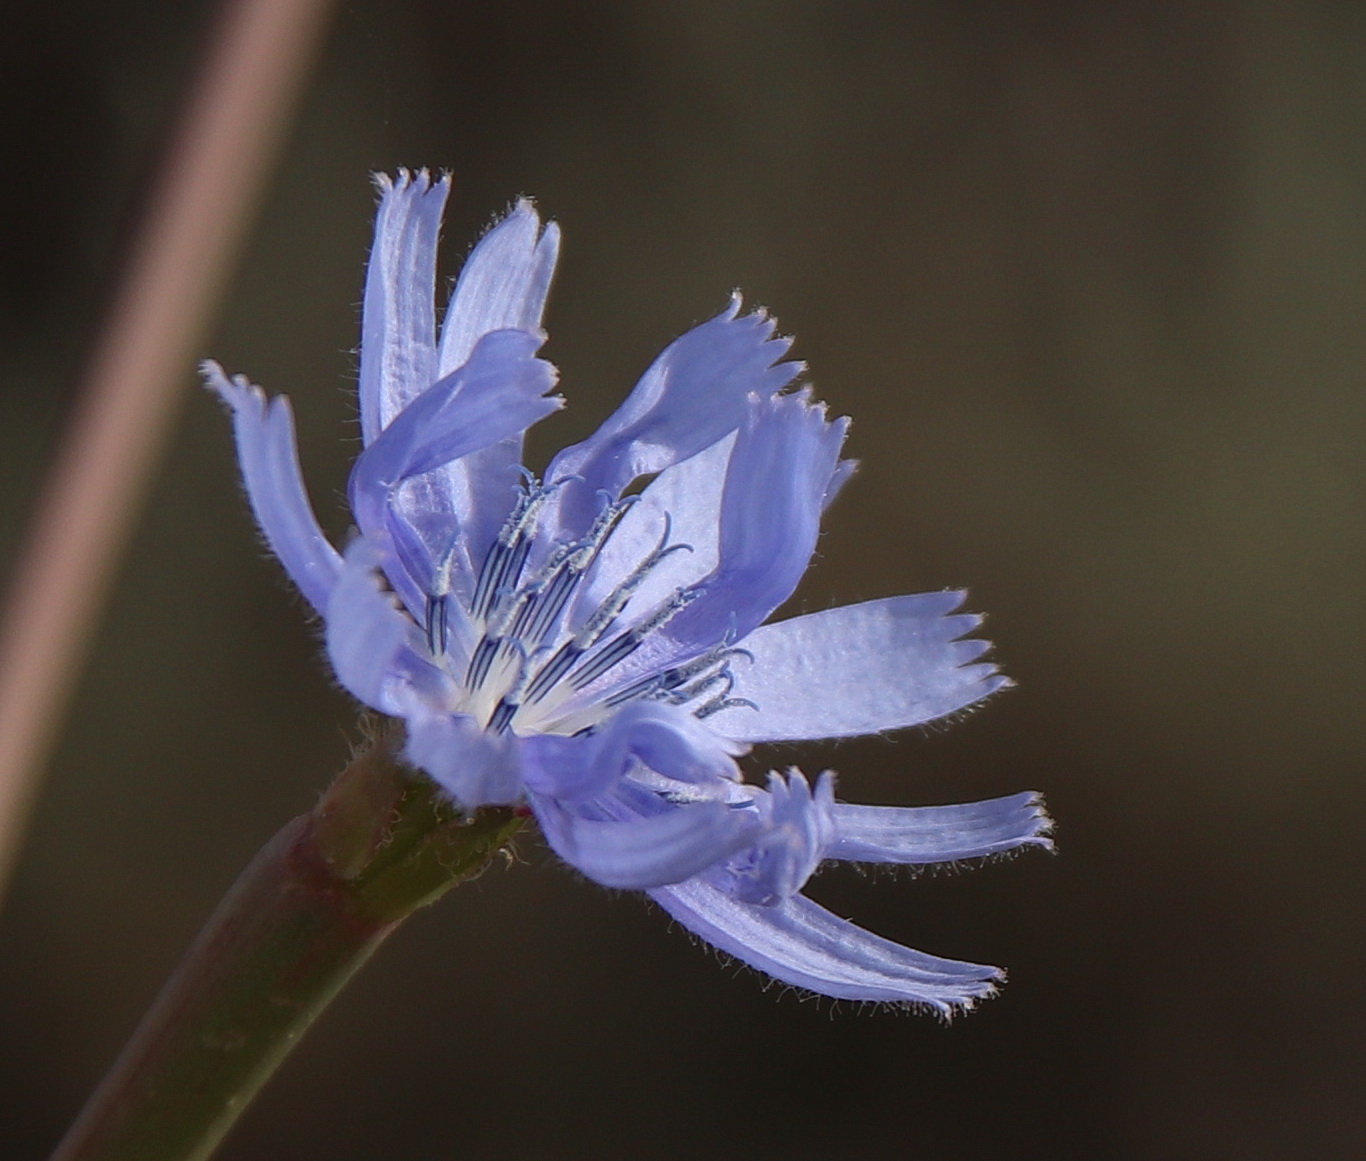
[604, 658]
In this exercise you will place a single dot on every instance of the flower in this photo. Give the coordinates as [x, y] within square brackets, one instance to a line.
[602, 656]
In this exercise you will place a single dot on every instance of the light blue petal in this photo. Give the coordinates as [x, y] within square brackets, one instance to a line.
[504, 283]
[366, 633]
[939, 834]
[398, 320]
[691, 396]
[785, 456]
[418, 538]
[670, 741]
[474, 767]
[859, 669]
[269, 461]
[800, 943]
[797, 828]
[499, 392]
[844, 470]
[571, 768]
[666, 739]
[644, 852]
[685, 500]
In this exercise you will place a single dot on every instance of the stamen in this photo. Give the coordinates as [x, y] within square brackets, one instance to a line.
[716, 706]
[481, 660]
[554, 669]
[436, 625]
[633, 692]
[691, 692]
[606, 613]
[496, 695]
[608, 519]
[511, 615]
[597, 625]
[491, 571]
[502, 716]
[503, 564]
[718, 655]
[614, 651]
[622, 646]
[671, 684]
[538, 615]
[553, 586]
[526, 656]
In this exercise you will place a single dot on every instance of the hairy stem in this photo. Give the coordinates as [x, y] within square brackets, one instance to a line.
[308, 910]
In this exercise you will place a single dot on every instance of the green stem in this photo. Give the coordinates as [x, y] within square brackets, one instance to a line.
[302, 918]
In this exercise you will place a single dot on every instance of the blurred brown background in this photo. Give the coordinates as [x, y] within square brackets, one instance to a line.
[1091, 279]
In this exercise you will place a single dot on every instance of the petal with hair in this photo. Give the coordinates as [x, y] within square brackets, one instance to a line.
[859, 669]
[939, 834]
[366, 632]
[800, 943]
[784, 458]
[503, 283]
[475, 767]
[398, 322]
[644, 852]
[269, 460]
[499, 392]
[690, 397]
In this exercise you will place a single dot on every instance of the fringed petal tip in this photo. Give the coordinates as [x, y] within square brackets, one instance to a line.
[521, 207]
[765, 324]
[965, 649]
[1033, 829]
[986, 678]
[844, 471]
[1044, 826]
[860, 669]
[759, 315]
[803, 946]
[925, 835]
[944, 1010]
[269, 461]
[504, 283]
[419, 181]
[694, 394]
[236, 391]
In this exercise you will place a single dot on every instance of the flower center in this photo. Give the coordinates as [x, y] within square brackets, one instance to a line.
[536, 656]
